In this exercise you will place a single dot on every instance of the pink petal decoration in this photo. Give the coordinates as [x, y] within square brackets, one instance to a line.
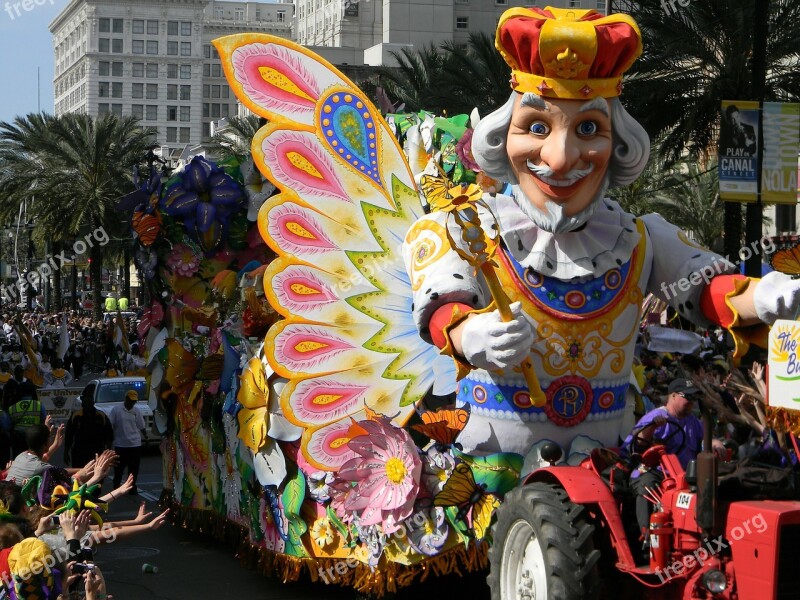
[296, 231]
[274, 77]
[302, 348]
[300, 290]
[326, 448]
[300, 163]
[317, 401]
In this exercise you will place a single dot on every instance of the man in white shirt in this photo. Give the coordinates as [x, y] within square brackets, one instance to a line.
[128, 424]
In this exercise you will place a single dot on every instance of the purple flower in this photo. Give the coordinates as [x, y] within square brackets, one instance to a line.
[464, 151]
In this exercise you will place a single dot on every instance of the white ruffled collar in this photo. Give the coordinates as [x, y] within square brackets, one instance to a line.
[605, 242]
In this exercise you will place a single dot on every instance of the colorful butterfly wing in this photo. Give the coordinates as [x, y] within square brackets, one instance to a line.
[182, 367]
[482, 512]
[443, 425]
[787, 260]
[459, 488]
[147, 227]
[346, 200]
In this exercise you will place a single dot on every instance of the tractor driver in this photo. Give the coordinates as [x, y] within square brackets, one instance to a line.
[660, 426]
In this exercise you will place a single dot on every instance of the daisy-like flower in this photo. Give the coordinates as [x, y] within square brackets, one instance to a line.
[436, 469]
[428, 531]
[319, 485]
[183, 260]
[385, 475]
[322, 532]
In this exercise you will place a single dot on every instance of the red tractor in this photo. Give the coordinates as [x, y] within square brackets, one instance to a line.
[570, 532]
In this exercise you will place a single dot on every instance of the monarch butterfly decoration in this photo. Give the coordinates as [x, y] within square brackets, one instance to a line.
[443, 426]
[147, 226]
[471, 499]
[787, 260]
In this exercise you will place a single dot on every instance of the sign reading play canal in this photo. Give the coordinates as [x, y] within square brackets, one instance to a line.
[784, 365]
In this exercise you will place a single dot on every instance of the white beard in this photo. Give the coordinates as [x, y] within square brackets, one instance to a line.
[554, 220]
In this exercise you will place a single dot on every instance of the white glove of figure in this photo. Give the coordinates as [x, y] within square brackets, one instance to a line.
[777, 296]
[488, 342]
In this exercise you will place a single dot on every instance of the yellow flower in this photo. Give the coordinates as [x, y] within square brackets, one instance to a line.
[322, 532]
[253, 396]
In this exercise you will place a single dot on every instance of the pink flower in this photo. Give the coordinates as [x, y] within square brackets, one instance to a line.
[183, 260]
[383, 479]
[464, 151]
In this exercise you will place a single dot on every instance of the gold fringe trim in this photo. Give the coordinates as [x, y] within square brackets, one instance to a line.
[784, 420]
[387, 577]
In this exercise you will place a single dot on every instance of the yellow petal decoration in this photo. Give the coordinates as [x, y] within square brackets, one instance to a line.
[253, 427]
[253, 396]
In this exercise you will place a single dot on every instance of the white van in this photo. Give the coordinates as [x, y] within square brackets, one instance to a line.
[110, 392]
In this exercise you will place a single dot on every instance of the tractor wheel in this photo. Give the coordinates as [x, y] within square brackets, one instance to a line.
[542, 547]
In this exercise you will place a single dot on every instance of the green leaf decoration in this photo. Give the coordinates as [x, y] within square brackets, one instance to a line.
[459, 526]
[499, 472]
[292, 498]
[337, 523]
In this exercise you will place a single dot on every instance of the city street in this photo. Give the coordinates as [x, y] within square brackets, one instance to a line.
[194, 566]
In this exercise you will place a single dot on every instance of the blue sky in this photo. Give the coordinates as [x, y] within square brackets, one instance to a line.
[25, 44]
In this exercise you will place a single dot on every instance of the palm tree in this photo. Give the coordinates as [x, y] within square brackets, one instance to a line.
[80, 167]
[417, 80]
[233, 141]
[698, 55]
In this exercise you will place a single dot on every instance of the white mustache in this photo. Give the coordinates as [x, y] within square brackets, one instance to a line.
[545, 173]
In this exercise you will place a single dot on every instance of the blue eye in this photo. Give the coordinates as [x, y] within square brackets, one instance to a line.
[539, 128]
[587, 128]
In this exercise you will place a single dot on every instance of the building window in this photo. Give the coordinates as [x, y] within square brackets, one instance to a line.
[206, 70]
[172, 48]
[238, 14]
[186, 133]
[152, 27]
[215, 111]
[281, 16]
[172, 92]
[116, 26]
[104, 69]
[601, 6]
[215, 91]
[186, 92]
[226, 91]
[225, 111]
[206, 91]
[186, 28]
[137, 111]
[186, 48]
[152, 70]
[172, 71]
[219, 13]
[501, 2]
[137, 46]
[152, 46]
[103, 89]
[206, 111]
[116, 46]
[137, 90]
[206, 130]
[104, 45]
[172, 113]
[116, 69]
[172, 28]
[462, 22]
[138, 70]
[105, 25]
[206, 50]
[138, 26]
[116, 89]
[152, 112]
[152, 91]
[186, 71]
[574, 3]
[102, 108]
[172, 134]
[116, 109]
[216, 70]
[186, 113]
[258, 14]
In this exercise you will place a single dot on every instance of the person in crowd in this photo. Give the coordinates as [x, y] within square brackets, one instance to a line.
[88, 433]
[24, 409]
[128, 424]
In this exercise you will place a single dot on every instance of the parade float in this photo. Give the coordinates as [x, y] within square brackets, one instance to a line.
[317, 412]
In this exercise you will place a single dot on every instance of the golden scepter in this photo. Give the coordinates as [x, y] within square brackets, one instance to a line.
[460, 201]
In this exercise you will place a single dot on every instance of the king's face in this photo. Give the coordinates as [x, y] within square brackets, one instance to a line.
[560, 151]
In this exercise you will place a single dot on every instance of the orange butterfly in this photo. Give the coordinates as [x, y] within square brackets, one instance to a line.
[443, 425]
[146, 226]
[787, 261]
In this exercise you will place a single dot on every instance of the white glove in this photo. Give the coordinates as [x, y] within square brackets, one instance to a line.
[777, 296]
[488, 342]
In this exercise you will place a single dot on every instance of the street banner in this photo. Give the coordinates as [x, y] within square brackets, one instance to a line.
[781, 127]
[738, 151]
[784, 365]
